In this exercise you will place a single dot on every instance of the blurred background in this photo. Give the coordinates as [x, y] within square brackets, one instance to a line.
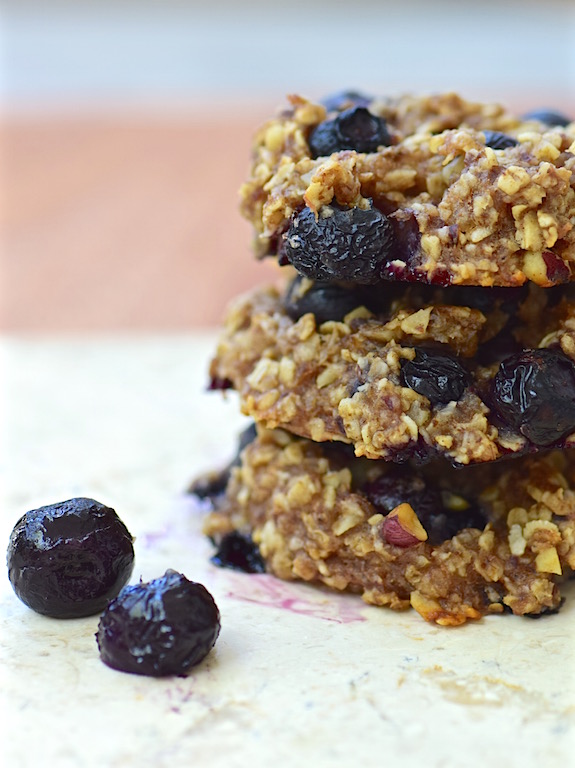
[125, 131]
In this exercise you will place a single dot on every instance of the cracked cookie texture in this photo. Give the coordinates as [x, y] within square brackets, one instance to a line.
[412, 383]
[474, 194]
[344, 380]
[312, 510]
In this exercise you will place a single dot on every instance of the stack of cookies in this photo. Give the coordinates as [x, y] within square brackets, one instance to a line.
[412, 379]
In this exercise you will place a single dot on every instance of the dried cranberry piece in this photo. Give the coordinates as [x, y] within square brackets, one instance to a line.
[438, 377]
[557, 270]
[67, 560]
[498, 140]
[163, 627]
[342, 244]
[238, 552]
[534, 393]
[354, 128]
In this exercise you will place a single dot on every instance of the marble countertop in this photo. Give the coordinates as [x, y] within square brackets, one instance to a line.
[299, 675]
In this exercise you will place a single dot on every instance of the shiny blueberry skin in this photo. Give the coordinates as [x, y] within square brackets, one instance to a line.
[389, 491]
[439, 378]
[238, 552]
[355, 128]
[342, 244]
[497, 140]
[534, 393]
[69, 559]
[548, 116]
[162, 627]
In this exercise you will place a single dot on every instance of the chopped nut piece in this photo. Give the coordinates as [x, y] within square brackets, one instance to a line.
[547, 561]
[402, 527]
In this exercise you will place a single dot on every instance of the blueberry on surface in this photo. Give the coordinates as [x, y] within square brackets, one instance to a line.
[497, 140]
[354, 128]
[548, 116]
[438, 377]
[69, 559]
[162, 627]
[534, 393]
[239, 552]
[342, 244]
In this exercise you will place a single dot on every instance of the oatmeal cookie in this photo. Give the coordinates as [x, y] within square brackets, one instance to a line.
[453, 544]
[417, 376]
[435, 189]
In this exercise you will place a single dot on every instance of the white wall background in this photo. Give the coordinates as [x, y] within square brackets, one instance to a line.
[149, 51]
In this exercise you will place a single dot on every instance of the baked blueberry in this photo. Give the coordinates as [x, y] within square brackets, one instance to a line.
[438, 377]
[326, 301]
[498, 140]
[336, 102]
[69, 559]
[354, 128]
[239, 552]
[212, 485]
[389, 491]
[548, 116]
[162, 627]
[488, 299]
[534, 393]
[439, 520]
[341, 244]
[217, 383]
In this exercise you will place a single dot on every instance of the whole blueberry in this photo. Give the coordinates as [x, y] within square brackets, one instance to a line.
[438, 377]
[162, 627]
[69, 559]
[354, 128]
[341, 244]
[534, 393]
[548, 116]
[497, 140]
[239, 552]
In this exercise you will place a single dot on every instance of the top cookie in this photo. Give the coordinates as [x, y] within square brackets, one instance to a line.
[435, 190]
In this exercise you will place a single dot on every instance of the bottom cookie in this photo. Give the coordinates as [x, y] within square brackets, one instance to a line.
[453, 544]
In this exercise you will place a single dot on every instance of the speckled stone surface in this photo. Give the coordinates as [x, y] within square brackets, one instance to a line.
[298, 673]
